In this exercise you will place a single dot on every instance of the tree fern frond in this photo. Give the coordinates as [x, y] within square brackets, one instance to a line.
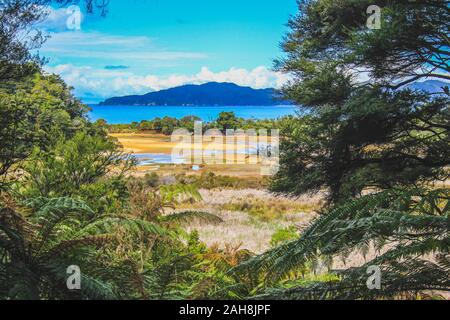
[109, 224]
[173, 193]
[384, 217]
[68, 245]
[42, 205]
[402, 279]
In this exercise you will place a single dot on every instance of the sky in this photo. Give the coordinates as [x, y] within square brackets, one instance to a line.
[147, 45]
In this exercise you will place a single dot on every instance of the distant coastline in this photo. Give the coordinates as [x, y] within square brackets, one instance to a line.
[125, 114]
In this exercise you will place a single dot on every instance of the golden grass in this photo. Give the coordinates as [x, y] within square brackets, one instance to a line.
[240, 227]
[144, 142]
[209, 180]
[268, 209]
[243, 171]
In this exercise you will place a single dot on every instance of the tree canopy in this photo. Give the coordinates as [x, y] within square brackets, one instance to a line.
[365, 133]
[376, 147]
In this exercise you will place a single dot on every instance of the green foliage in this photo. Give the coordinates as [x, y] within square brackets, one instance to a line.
[209, 180]
[374, 140]
[150, 203]
[151, 179]
[377, 147]
[189, 216]
[284, 235]
[364, 135]
[166, 125]
[37, 248]
[120, 255]
[188, 122]
[86, 166]
[268, 209]
[416, 222]
[30, 117]
[227, 120]
[175, 193]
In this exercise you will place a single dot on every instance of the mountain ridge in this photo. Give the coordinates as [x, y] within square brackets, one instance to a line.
[226, 94]
[208, 94]
[432, 86]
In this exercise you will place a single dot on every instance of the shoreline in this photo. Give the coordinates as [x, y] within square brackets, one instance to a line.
[127, 114]
[154, 143]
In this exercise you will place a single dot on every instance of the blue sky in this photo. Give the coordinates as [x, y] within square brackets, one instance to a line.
[146, 45]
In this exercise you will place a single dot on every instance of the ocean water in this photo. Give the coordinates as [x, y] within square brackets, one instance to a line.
[145, 159]
[128, 114]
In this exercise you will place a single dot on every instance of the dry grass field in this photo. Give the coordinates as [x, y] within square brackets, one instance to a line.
[245, 227]
[144, 142]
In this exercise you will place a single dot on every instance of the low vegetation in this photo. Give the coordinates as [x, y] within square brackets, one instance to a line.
[167, 125]
[268, 209]
[209, 180]
[284, 235]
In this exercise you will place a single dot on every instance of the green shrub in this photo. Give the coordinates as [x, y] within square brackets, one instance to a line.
[209, 180]
[283, 235]
[268, 209]
[151, 179]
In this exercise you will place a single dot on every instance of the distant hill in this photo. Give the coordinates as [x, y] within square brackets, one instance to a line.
[432, 86]
[209, 94]
[226, 94]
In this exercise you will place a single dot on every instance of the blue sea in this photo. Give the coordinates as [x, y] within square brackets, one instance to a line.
[128, 114]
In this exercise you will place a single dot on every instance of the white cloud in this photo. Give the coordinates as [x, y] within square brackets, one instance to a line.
[102, 65]
[363, 75]
[104, 83]
[97, 45]
[56, 19]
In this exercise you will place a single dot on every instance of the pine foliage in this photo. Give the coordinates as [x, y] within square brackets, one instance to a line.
[409, 231]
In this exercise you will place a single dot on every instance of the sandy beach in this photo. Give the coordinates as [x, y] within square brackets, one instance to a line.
[151, 143]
